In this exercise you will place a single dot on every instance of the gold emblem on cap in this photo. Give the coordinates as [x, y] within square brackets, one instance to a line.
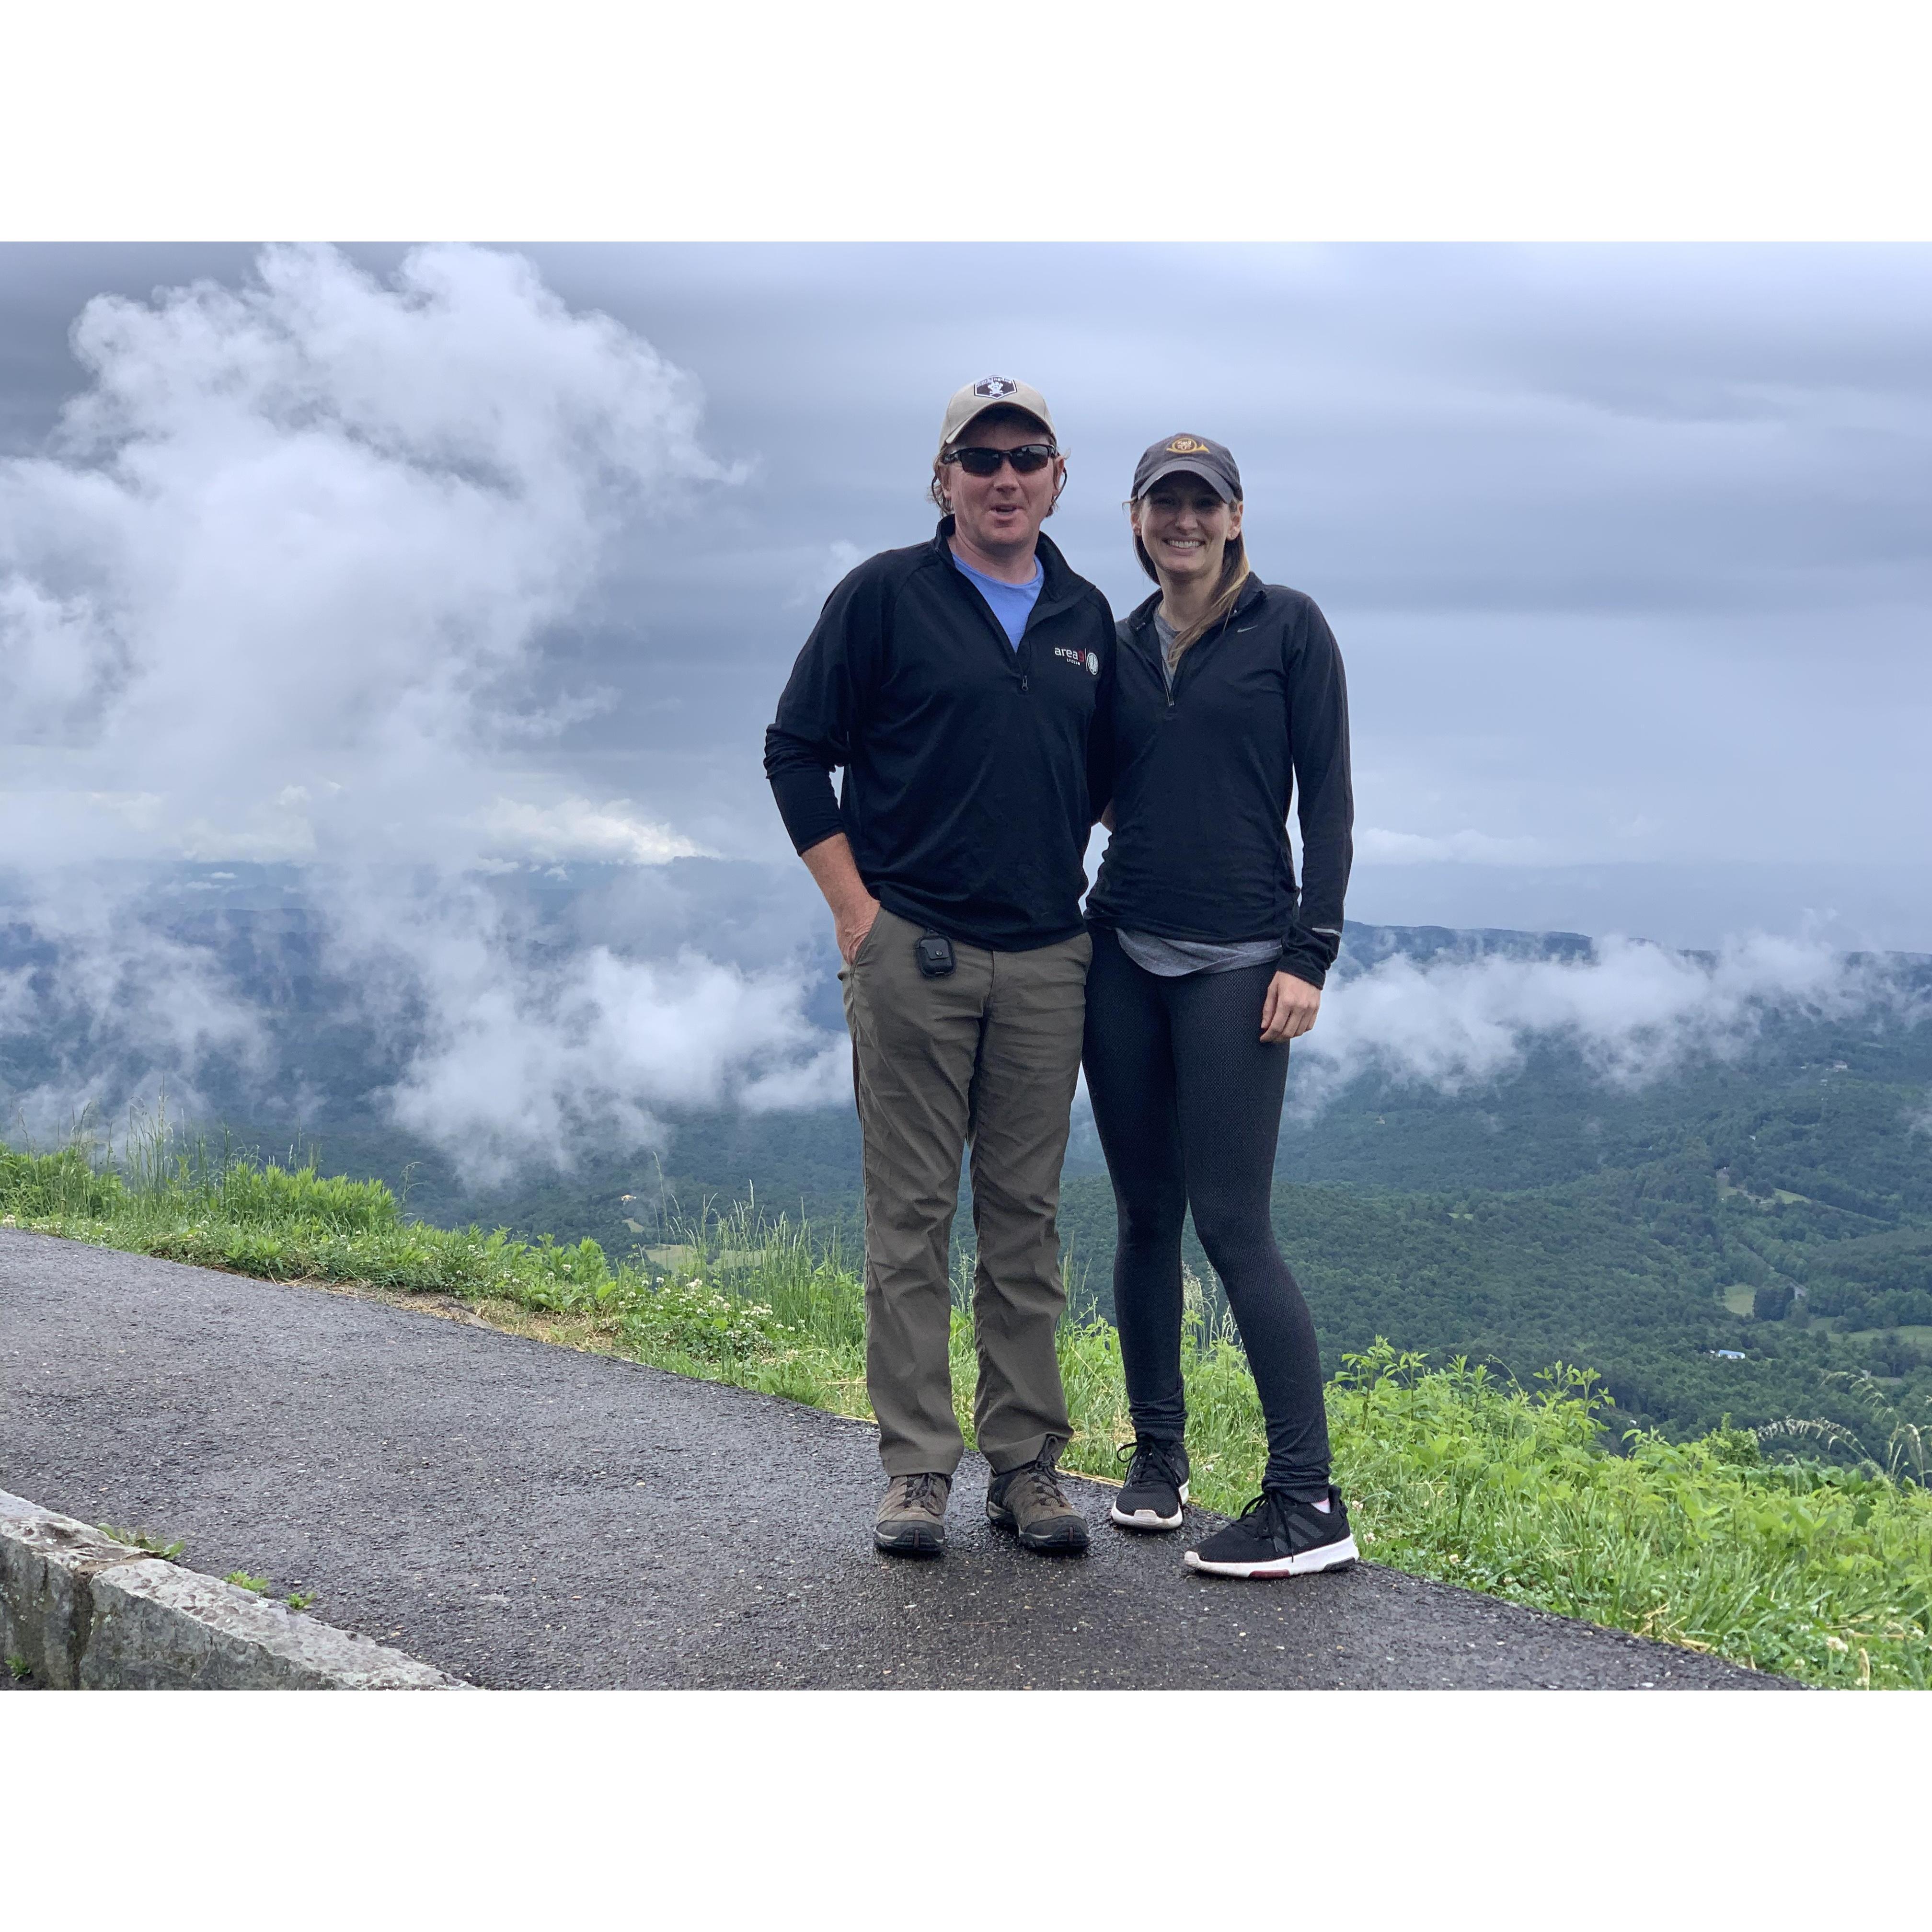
[1186, 445]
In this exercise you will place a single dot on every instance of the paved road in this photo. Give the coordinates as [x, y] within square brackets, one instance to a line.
[524, 1515]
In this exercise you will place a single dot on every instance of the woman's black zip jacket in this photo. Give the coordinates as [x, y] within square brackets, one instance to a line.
[1202, 781]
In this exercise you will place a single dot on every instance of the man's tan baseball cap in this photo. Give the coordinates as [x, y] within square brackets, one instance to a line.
[991, 392]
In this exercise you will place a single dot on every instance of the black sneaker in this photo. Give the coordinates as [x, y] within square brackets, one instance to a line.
[1156, 1485]
[1276, 1536]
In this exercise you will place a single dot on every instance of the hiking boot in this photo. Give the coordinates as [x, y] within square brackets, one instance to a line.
[1276, 1536]
[1029, 1501]
[1156, 1487]
[911, 1521]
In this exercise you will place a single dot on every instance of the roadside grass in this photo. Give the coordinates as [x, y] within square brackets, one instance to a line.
[1820, 1571]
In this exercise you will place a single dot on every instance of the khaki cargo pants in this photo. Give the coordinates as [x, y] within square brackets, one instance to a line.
[987, 1057]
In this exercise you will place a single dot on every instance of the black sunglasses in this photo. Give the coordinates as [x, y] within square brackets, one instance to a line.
[1025, 459]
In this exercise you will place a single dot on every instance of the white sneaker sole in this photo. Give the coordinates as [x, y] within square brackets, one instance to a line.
[1329, 1556]
[1146, 1519]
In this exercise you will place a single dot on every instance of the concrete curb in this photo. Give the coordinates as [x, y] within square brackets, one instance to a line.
[88, 1613]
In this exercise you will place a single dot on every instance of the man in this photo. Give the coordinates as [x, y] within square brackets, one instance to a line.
[959, 683]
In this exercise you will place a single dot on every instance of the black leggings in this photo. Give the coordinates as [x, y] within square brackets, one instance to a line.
[1188, 1102]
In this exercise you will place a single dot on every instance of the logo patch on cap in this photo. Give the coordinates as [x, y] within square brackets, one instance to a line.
[1186, 445]
[994, 385]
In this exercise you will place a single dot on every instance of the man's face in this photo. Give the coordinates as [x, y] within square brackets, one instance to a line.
[999, 515]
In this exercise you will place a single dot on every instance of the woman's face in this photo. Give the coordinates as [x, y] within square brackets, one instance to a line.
[1185, 527]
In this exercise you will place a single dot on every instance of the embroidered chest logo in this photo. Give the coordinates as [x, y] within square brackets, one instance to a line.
[1088, 660]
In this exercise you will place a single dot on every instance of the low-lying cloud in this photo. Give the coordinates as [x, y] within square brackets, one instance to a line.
[108, 1003]
[1633, 1012]
[523, 1051]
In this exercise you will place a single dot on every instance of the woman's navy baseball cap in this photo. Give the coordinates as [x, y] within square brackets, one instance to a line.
[1214, 463]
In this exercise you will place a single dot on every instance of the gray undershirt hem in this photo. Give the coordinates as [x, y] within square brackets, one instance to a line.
[1175, 959]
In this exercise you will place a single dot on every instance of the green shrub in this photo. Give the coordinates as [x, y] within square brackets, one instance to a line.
[38, 1187]
[269, 1196]
[694, 1318]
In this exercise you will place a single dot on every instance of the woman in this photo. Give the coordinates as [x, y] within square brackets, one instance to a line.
[1206, 962]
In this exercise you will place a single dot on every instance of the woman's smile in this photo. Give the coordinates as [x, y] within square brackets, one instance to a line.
[1185, 527]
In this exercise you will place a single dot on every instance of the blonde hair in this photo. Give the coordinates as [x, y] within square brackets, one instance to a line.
[1235, 573]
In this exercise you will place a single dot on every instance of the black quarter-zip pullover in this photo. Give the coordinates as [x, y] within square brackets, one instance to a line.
[973, 769]
[1203, 776]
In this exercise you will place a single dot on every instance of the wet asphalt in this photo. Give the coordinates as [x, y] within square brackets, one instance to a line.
[523, 1515]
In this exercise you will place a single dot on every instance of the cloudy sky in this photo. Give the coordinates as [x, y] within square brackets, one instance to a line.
[1627, 548]
[416, 569]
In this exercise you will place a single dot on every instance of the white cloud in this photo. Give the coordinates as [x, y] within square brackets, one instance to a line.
[576, 828]
[310, 535]
[1634, 1013]
[526, 1058]
[823, 1080]
[122, 1006]
[55, 658]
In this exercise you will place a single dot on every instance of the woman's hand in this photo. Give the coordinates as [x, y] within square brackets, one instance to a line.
[1289, 1010]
